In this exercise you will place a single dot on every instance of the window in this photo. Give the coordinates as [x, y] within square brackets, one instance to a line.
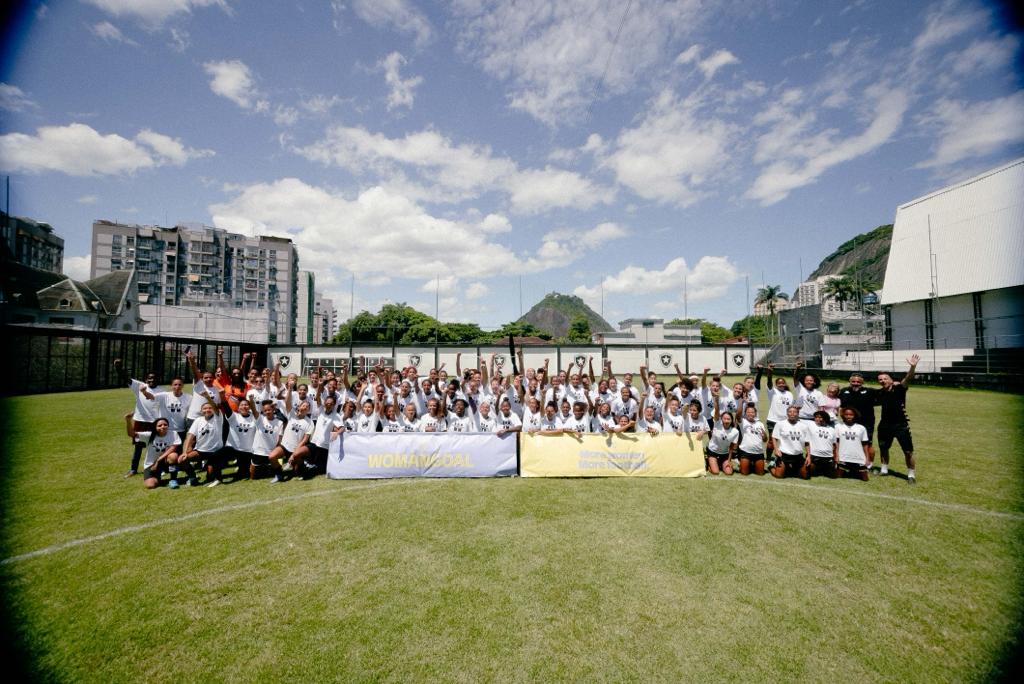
[64, 304]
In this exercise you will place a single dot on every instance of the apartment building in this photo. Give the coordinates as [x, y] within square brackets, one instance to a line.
[191, 265]
[32, 243]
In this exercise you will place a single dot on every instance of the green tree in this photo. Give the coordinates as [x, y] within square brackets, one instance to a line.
[520, 329]
[768, 295]
[842, 289]
[579, 330]
[760, 328]
[710, 333]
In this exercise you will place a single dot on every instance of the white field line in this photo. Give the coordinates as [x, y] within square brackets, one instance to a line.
[960, 508]
[46, 551]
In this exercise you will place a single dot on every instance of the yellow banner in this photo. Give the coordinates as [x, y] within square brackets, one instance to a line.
[611, 455]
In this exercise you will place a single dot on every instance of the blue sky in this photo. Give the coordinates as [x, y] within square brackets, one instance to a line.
[585, 145]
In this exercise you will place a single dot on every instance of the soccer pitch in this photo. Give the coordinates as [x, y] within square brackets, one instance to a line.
[721, 579]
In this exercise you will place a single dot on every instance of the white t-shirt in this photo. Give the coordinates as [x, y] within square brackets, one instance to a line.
[657, 402]
[207, 432]
[266, 436]
[852, 439]
[388, 425]
[698, 424]
[509, 422]
[643, 426]
[409, 425]
[550, 424]
[790, 437]
[624, 408]
[752, 436]
[574, 394]
[198, 398]
[174, 409]
[325, 424]
[823, 437]
[429, 423]
[555, 394]
[778, 403]
[603, 423]
[156, 445]
[532, 421]
[241, 431]
[367, 423]
[673, 423]
[574, 424]
[146, 410]
[721, 438]
[294, 431]
[809, 401]
[464, 423]
[488, 424]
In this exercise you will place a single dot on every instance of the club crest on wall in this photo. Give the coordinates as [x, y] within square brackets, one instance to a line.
[284, 360]
[414, 360]
[666, 359]
[738, 359]
[580, 359]
[499, 360]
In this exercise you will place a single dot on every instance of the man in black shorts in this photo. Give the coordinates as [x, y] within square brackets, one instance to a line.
[863, 400]
[894, 423]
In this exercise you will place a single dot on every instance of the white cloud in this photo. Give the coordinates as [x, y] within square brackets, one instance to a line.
[154, 12]
[975, 130]
[180, 39]
[689, 55]
[495, 223]
[557, 57]
[985, 55]
[233, 80]
[110, 33]
[285, 116]
[452, 172]
[716, 61]
[802, 157]
[321, 104]
[79, 150]
[77, 267]
[943, 24]
[88, 199]
[13, 99]
[710, 279]
[587, 239]
[672, 153]
[477, 290]
[837, 48]
[401, 92]
[398, 15]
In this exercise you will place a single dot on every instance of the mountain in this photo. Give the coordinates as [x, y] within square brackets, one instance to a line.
[556, 312]
[866, 254]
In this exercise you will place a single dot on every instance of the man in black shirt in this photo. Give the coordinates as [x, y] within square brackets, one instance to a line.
[862, 400]
[894, 423]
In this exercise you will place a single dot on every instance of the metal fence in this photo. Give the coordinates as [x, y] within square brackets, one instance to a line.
[54, 359]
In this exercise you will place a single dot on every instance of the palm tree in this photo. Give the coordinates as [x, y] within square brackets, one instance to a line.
[769, 294]
[842, 289]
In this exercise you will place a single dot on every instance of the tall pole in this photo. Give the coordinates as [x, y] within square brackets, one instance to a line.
[602, 297]
[352, 300]
[437, 309]
[686, 304]
[520, 296]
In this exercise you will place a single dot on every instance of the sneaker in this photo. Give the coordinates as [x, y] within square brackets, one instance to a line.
[213, 484]
[911, 479]
[193, 482]
[276, 479]
[883, 471]
[131, 473]
[287, 467]
[172, 484]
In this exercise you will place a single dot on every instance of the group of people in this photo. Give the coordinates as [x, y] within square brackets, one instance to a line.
[255, 418]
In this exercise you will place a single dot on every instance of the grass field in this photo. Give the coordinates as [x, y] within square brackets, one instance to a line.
[716, 579]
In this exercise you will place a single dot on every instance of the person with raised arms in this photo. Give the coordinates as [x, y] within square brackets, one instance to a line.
[808, 396]
[202, 390]
[648, 421]
[241, 433]
[695, 424]
[533, 417]
[204, 442]
[390, 421]
[409, 420]
[173, 405]
[779, 401]
[147, 410]
[265, 439]
[894, 423]
[369, 419]
[722, 440]
[295, 440]
[863, 401]
[328, 424]
[653, 393]
[673, 419]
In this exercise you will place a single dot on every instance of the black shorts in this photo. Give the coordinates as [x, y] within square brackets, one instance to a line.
[901, 433]
[256, 459]
[711, 454]
[822, 461]
[751, 457]
[795, 462]
[852, 467]
[150, 471]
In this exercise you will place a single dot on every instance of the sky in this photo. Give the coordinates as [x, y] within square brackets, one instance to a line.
[670, 156]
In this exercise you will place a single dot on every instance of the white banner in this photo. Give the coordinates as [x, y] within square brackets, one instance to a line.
[421, 454]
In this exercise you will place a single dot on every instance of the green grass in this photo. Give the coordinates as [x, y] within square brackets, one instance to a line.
[743, 579]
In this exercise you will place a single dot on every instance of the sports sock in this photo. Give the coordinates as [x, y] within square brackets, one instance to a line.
[910, 473]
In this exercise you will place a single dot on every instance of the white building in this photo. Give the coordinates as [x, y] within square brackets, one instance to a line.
[305, 316]
[649, 331]
[223, 322]
[325, 320]
[955, 277]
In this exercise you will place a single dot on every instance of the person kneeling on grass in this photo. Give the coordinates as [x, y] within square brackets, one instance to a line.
[266, 438]
[293, 441]
[204, 442]
[790, 440]
[752, 440]
[723, 439]
[854, 445]
[241, 432]
[824, 451]
[161, 451]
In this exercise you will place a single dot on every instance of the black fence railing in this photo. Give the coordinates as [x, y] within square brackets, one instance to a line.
[53, 359]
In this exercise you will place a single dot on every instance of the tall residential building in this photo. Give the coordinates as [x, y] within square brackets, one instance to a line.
[191, 265]
[306, 298]
[32, 243]
[326, 321]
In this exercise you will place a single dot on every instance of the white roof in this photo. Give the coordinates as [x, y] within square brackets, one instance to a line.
[977, 239]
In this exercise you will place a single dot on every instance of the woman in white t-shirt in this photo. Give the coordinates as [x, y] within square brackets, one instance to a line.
[532, 415]
[648, 422]
[853, 443]
[160, 449]
[604, 419]
[327, 426]
[673, 420]
[507, 419]
[408, 419]
[722, 440]
[266, 437]
[434, 419]
[204, 442]
[753, 437]
[824, 447]
[294, 439]
[241, 432]
[791, 439]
